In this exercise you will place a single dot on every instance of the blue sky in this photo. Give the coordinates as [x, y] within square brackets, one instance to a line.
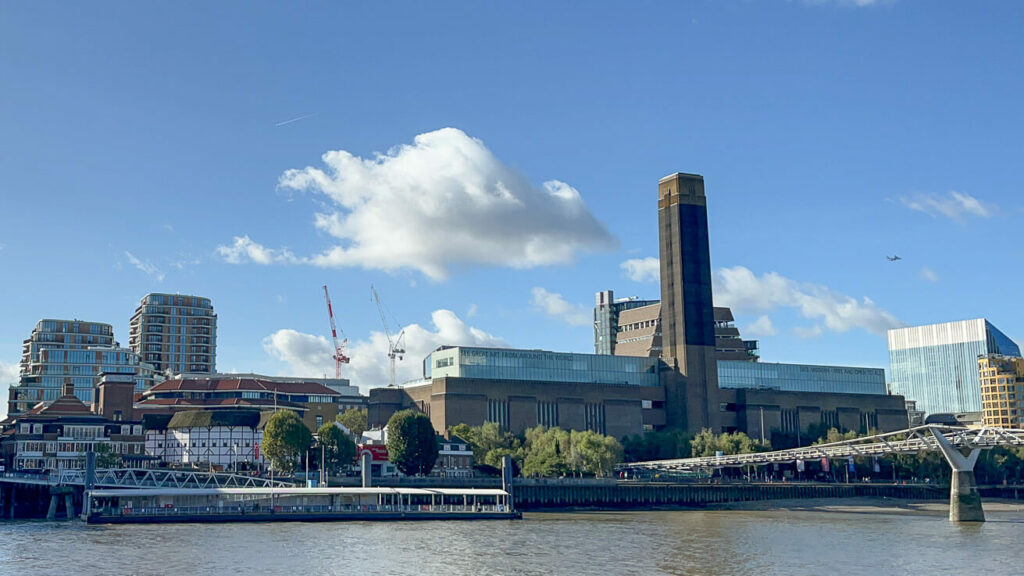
[496, 164]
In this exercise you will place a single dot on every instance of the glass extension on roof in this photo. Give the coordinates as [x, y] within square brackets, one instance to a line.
[541, 365]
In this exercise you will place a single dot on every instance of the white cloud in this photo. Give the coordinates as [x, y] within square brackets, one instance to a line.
[954, 205]
[168, 227]
[245, 250]
[309, 355]
[555, 305]
[744, 292]
[473, 309]
[145, 266]
[761, 327]
[803, 332]
[9, 373]
[443, 201]
[642, 269]
[929, 275]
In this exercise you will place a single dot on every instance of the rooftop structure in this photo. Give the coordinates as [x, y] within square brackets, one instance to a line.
[800, 377]
[539, 365]
[937, 365]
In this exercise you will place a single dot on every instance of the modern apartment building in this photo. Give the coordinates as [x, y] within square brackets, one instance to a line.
[1002, 390]
[176, 334]
[59, 351]
[937, 365]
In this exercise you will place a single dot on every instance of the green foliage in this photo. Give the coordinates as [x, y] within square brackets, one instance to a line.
[412, 443]
[663, 445]
[484, 440]
[706, 443]
[354, 419]
[1001, 465]
[594, 453]
[833, 435]
[546, 451]
[339, 450]
[285, 440]
[105, 457]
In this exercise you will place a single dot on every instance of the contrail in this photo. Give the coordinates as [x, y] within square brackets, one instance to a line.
[294, 119]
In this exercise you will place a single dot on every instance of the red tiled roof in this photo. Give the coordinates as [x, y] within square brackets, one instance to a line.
[226, 384]
[67, 405]
[217, 402]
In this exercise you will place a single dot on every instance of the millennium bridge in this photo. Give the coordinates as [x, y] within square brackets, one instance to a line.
[960, 446]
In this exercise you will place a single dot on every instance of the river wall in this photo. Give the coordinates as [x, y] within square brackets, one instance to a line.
[628, 496]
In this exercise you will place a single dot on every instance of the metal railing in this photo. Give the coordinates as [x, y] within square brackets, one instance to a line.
[149, 478]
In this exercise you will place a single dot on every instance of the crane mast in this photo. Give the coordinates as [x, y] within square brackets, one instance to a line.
[339, 349]
[395, 347]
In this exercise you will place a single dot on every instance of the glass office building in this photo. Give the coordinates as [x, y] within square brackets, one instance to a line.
[800, 377]
[937, 365]
[540, 365]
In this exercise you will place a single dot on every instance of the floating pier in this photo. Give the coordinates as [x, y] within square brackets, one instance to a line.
[168, 505]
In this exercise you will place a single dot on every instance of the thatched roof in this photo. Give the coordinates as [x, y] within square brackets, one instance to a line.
[213, 418]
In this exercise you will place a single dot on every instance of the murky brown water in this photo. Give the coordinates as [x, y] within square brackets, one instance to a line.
[606, 543]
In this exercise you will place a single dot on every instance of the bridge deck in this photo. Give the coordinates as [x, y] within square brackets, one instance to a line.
[908, 441]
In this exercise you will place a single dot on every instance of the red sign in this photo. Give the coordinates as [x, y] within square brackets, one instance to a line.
[378, 452]
[256, 450]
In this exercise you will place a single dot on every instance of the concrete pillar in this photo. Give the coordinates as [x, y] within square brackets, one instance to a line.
[366, 467]
[964, 500]
[69, 504]
[51, 513]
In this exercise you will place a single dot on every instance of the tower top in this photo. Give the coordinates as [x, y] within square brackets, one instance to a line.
[681, 188]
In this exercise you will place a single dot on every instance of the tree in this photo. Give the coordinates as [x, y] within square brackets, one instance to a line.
[656, 445]
[285, 440]
[594, 453]
[339, 450]
[706, 443]
[412, 443]
[488, 442]
[105, 457]
[546, 452]
[354, 419]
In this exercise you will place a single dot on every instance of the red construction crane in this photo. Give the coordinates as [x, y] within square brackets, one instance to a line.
[339, 349]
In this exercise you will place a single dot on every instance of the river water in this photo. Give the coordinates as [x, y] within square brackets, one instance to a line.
[834, 539]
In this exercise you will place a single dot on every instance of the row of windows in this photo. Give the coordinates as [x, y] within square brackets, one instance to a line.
[90, 327]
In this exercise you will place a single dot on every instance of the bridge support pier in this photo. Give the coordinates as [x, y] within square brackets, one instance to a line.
[51, 513]
[964, 499]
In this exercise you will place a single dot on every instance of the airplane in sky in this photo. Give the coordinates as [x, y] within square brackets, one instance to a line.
[893, 258]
